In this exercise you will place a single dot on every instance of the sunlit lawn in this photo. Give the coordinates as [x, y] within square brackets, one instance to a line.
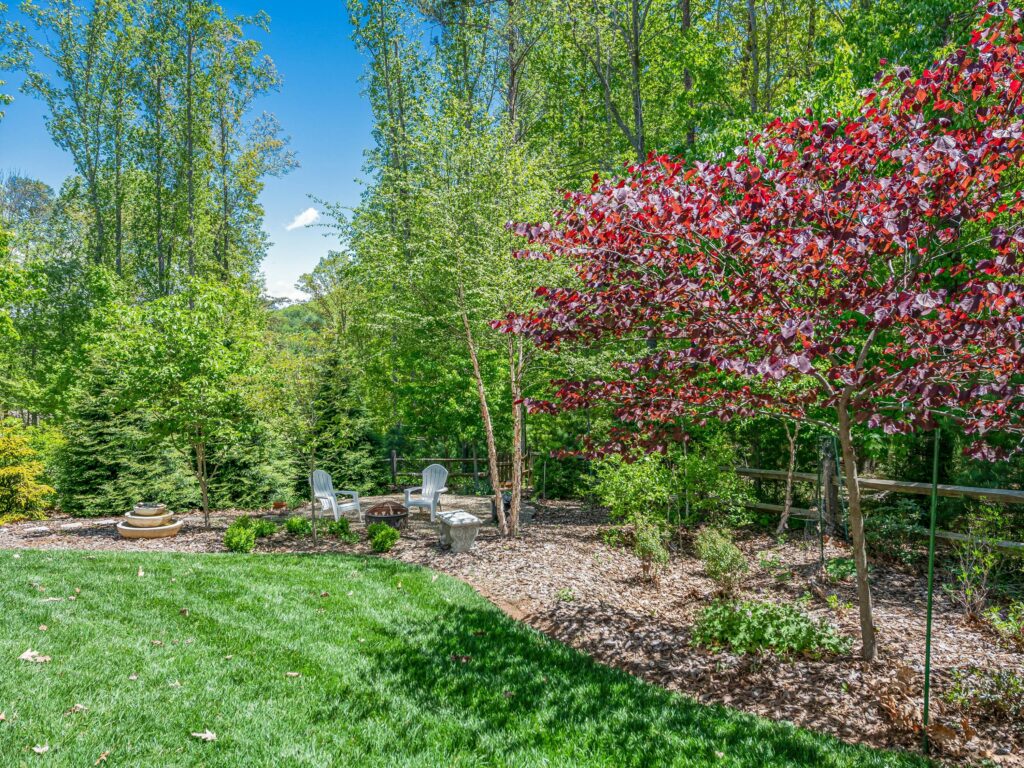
[396, 666]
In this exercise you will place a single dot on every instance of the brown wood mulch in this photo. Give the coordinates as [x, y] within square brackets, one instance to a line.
[563, 579]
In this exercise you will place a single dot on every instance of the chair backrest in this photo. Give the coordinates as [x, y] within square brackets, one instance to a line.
[322, 484]
[434, 478]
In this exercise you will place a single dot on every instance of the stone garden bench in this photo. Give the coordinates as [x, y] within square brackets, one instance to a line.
[458, 529]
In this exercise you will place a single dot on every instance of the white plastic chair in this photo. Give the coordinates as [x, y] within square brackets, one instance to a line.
[323, 492]
[434, 478]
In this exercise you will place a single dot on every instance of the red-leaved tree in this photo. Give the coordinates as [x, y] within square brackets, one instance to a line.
[866, 271]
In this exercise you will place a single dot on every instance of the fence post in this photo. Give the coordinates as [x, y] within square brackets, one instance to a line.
[931, 583]
[394, 468]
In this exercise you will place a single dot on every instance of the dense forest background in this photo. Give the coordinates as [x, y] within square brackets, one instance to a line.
[140, 354]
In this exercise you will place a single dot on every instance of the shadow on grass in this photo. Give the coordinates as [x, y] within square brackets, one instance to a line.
[490, 675]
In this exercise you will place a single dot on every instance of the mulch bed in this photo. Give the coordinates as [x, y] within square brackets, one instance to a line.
[562, 578]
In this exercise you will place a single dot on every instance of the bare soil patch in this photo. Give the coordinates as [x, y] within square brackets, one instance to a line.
[563, 579]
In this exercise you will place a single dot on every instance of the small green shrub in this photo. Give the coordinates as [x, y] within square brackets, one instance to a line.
[840, 568]
[724, 563]
[649, 547]
[382, 537]
[1009, 625]
[239, 538]
[987, 694]
[342, 530]
[22, 492]
[891, 533]
[972, 575]
[244, 522]
[565, 595]
[298, 526]
[264, 528]
[752, 626]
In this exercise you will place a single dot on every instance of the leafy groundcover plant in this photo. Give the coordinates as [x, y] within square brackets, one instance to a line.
[753, 626]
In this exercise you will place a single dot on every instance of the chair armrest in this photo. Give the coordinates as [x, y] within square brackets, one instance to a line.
[438, 492]
[353, 494]
[410, 491]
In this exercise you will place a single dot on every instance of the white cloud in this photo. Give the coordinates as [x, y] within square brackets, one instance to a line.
[304, 219]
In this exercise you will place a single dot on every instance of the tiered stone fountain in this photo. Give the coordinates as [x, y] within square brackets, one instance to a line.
[148, 521]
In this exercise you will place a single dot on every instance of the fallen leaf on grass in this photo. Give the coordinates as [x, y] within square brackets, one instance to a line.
[175, 684]
[72, 597]
[43, 627]
[508, 694]
[325, 594]
[34, 656]
[158, 642]
[434, 577]
[76, 709]
[183, 611]
[41, 749]
[206, 735]
[229, 657]
[292, 674]
[133, 677]
[463, 659]
[141, 572]
[350, 593]
[17, 557]
[3, 716]
[102, 758]
[53, 599]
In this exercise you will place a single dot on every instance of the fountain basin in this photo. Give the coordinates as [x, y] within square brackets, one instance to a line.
[157, 532]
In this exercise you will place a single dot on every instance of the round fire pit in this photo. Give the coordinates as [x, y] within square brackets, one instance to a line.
[389, 512]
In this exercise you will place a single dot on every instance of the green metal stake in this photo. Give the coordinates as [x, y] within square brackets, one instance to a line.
[931, 582]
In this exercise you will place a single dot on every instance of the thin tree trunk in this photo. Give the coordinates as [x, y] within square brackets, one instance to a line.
[787, 507]
[189, 145]
[869, 650]
[485, 416]
[204, 480]
[635, 70]
[515, 362]
[752, 54]
[687, 22]
[160, 266]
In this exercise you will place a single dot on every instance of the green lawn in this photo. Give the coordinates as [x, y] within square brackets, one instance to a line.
[397, 666]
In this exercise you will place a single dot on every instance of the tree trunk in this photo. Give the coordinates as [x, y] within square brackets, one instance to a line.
[189, 146]
[485, 417]
[869, 651]
[204, 480]
[687, 22]
[787, 507]
[158, 141]
[515, 359]
[752, 55]
[635, 71]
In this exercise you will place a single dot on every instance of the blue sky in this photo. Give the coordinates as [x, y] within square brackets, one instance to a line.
[320, 106]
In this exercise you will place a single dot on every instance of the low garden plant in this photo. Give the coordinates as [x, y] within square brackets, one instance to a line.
[382, 537]
[342, 529]
[987, 694]
[754, 626]
[298, 526]
[1008, 623]
[240, 537]
[724, 563]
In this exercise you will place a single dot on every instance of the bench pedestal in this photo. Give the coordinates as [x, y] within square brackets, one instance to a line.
[458, 529]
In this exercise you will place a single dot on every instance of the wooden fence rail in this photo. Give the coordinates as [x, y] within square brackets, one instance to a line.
[477, 469]
[999, 495]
